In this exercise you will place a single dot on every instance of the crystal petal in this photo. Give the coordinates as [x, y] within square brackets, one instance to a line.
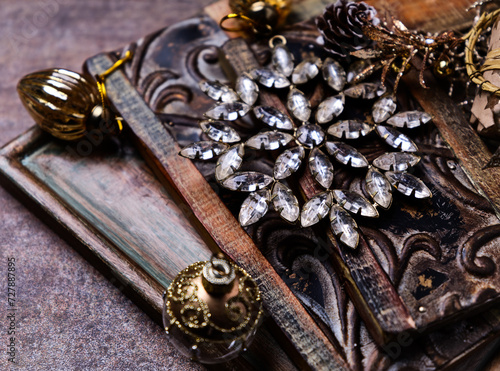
[288, 162]
[355, 203]
[349, 129]
[396, 139]
[330, 108]
[334, 74]
[285, 203]
[270, 78]
[383, 109]
[254, 207]
[229, 162]
[345, 226]
[408, 184]
[228, 111]
[379, 188]
[247, 89]
[321, 168]
[298, 105]
[273, 117]
[367, 90]
[310, 135]
[396, 161]
[247, 181]
[269, 140]
[220, 132]
[316, 209]
[204, 150]
[218, 92]
[409, 119]
[282, 60]
[306, 71]
[346, 154]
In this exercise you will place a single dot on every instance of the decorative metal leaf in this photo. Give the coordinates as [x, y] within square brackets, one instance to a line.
[321, 168]
[367, 90]
[269, 140]
[282, 60]
[270, 78]
[273, 117]
[346, 154]
[356, 71]
[379, 188]
[247, 181]
[330, 108]
[247, 89]
[204, 150]
[344, 226]
[288, 162]
[396, 139]
[218, 92]
[383, 109]
[408, 184]
[409, 119]
[349, 129]
[298, 105]
[285, 202]
[334, 74]
[310, 135]
[254, 207]
[355, 203]
[229, 162]
[316, 209]
[306, 71]
[396, 161]
[228, 111]
[220, 132]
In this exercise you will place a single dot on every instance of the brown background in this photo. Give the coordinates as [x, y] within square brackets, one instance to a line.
[70, 317]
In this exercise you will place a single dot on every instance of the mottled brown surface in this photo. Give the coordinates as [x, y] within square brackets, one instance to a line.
[70, 316]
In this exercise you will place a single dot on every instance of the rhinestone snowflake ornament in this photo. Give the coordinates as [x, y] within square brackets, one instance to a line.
[299, 141]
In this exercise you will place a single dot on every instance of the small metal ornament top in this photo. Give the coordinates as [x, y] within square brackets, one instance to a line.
[218, 276]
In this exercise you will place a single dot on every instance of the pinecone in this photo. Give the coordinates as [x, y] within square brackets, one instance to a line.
[342, 26]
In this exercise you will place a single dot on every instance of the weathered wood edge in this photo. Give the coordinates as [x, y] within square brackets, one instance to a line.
[218, 226]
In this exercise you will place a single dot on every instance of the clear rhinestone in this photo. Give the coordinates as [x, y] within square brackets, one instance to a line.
[298, 105]
[321, 168]
[349, 129]
[366, 90]
[334, 74]
[310, 135]
[248, 181]
[288, 162]
[379, 188]
[409, 119]
[316, 209]
[395, 139]
[330, 108]
[228, 111]
[355, 203]
[254, 207]
[345, 226]
[247, 89]
[355, 72]
[219, 131]
[218, 92]
[408, 184]
[285, 203]
[273, 117]
[269, 140]
[306, 71]
[346, 154]
[229, 162]
[396, 161]
[282, 60]
[383, 109]
[204, 150]
[270, 78]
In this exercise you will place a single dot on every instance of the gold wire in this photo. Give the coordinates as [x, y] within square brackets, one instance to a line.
[255, 26]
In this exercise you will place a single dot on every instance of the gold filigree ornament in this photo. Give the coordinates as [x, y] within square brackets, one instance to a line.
[67, 104]
[212, 310]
